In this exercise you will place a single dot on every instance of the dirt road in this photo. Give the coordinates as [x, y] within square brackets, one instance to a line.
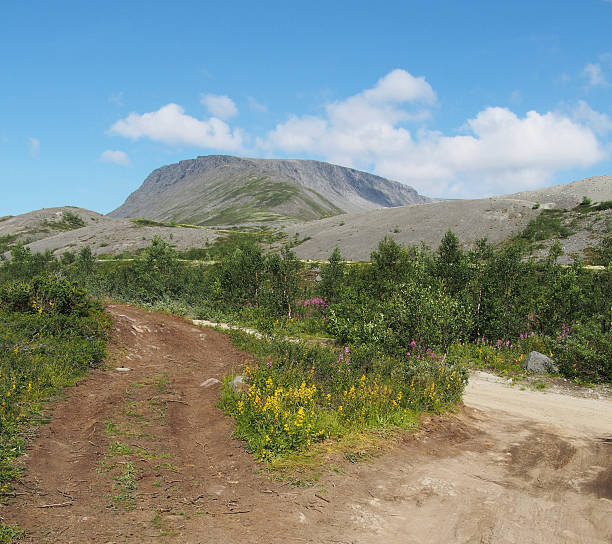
[143, 455]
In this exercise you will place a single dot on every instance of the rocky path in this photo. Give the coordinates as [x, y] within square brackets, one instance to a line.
[143, 455]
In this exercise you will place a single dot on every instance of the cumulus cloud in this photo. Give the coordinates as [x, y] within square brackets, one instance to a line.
[219, 105]
[599, 122]
[116, 157]
[497, 151]
[171, 125]
[595, 75]
[34, 147]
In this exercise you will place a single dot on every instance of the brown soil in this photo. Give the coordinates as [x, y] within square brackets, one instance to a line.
[482, 475]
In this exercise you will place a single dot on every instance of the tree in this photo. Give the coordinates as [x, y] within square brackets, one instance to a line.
[332, 274]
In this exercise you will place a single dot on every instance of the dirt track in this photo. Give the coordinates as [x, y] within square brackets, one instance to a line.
[512, 466]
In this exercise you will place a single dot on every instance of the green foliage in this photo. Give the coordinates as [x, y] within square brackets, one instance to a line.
[604, 205]
[332, 276]
[602, 255]
[144, 222]
[10, 533]
[69, 221]
[585, 350]
[545, 226]
[6, 242]
[50, 334]
[241, 274]
[298, 394]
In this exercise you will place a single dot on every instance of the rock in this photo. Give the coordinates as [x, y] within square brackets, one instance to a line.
[238, 383]
[540, 363]
[123, 369]
[209, 382]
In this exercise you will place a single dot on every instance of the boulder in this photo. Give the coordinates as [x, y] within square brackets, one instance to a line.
[540, 363]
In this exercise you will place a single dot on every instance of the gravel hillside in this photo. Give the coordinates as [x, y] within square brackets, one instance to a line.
[497, 218]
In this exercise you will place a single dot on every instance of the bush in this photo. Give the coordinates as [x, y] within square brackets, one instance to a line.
[585, 352]
[45, 294]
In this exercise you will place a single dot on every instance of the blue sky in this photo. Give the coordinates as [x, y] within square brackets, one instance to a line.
[458, 99]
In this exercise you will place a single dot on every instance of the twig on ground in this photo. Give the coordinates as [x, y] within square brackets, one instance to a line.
[237, 512]
[56, 505]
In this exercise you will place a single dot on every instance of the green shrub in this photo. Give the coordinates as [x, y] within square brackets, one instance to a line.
[585, 352]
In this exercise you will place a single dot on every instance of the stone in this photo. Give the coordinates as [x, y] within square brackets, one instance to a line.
[238, 383]
[210, 382]
[540, 363]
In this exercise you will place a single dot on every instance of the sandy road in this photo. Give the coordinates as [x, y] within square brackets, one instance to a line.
[569, 415]
[511, 466]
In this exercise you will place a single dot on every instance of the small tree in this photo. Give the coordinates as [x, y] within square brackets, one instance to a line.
[332, 275]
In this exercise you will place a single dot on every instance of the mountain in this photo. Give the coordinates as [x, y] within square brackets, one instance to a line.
[356, 234]
[225, 190]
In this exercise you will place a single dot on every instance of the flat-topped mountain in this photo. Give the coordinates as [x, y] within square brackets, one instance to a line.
[225, 190]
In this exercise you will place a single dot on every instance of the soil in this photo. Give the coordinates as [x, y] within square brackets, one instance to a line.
[509, 466]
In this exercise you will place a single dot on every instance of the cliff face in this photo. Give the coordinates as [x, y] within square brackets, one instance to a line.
[222, 190]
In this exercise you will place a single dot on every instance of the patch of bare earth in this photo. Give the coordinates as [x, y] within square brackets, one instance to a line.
[144, 455]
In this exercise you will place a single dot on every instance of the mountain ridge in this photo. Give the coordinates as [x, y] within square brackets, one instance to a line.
[222, 189]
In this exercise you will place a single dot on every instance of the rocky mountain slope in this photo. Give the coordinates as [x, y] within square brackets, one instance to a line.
[71, 229]
[497, 218]
[356, 234]
[224, 190]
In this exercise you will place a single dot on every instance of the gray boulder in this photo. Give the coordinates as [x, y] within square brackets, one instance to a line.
[540, 363]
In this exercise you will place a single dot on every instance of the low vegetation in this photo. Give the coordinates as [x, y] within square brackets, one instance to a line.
[68, 221]
[51, 333]
[347, 348]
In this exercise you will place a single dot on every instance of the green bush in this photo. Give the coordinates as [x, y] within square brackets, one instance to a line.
[585, 352]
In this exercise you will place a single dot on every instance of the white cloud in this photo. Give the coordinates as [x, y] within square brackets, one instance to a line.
[116, 157]
[595, 75]
[600, 123]
[497, 152]
[220, 106]
[171, 125]
[34, 147]
[257, 106]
